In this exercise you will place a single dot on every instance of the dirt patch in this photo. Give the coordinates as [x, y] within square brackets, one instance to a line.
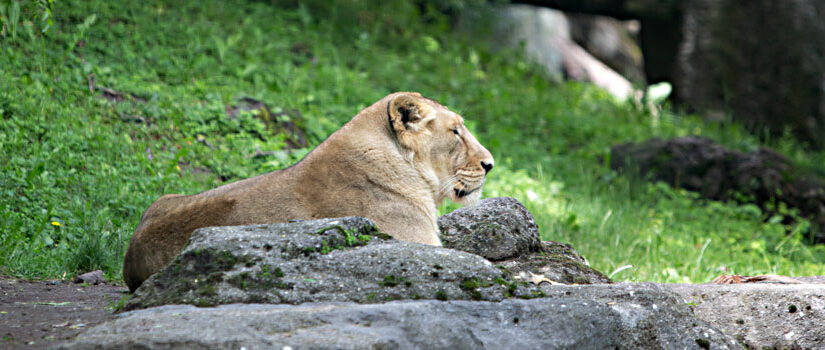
[39, 314]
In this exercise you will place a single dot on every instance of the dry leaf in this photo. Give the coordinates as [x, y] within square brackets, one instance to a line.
[536, 279]
[735, 279]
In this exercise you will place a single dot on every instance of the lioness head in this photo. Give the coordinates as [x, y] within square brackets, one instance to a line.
[439, 143]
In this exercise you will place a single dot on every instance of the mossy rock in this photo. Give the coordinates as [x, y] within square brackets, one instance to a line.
[503, 231]
[321, 260]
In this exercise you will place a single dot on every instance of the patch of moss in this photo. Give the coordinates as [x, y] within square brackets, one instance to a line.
[441, 295]
[511, 286]
[534, 293]
[473, 283]
[472, 286]
[325, 247]
[201, 302]
[207, 289]
[351, 239]
[392, 281]
[225, 258]
[240, 280]
[382, 235]
[269, 271]
[266, 279]
[211, 260]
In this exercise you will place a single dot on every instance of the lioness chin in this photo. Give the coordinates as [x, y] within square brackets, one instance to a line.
[393, 163]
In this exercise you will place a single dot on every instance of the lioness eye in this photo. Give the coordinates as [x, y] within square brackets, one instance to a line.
[455, 131]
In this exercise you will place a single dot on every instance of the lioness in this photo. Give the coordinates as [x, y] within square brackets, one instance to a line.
[393, 163]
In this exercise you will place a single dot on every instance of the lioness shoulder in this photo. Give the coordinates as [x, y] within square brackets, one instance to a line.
[393, 163]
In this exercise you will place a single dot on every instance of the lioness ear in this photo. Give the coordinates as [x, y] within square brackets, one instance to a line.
[406, 112]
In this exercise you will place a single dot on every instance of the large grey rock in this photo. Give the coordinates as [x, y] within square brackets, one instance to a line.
[761, 316]
[503, 231]
[618, 316]
[342, 259]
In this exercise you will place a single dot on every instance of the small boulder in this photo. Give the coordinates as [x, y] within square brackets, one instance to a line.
[495, 228]
[94, 277]
[503, 231]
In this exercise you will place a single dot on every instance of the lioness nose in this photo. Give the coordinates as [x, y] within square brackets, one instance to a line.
[487, 166]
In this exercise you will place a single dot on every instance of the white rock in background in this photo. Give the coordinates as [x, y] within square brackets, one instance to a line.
[545, 36]
[540, 30]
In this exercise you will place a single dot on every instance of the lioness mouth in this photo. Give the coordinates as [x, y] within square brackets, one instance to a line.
[462, 193]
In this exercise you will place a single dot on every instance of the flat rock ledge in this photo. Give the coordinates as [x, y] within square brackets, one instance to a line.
[608, 316]
[761, 315]
[339, 283]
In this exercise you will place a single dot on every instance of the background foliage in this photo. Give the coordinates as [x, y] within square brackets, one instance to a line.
[78, 169]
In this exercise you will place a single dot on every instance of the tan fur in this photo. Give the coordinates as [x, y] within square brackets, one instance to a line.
[394, 162]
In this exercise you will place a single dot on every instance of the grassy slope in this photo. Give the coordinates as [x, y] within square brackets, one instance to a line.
[75, 176]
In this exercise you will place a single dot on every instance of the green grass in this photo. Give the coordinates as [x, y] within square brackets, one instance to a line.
[76, 171]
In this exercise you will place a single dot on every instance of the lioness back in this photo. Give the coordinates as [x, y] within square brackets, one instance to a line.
[393, 163]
